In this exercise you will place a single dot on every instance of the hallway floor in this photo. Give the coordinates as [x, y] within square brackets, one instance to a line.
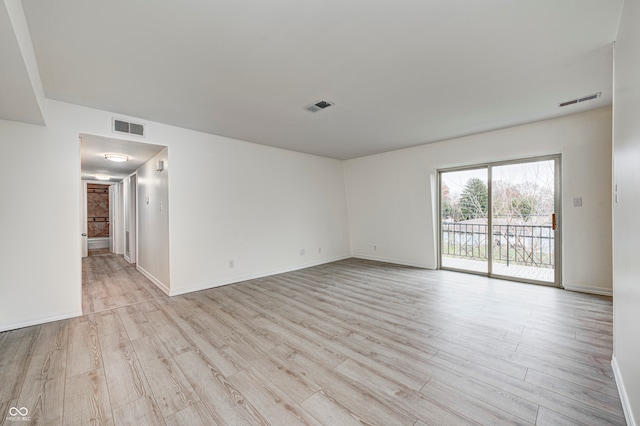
[108, 282]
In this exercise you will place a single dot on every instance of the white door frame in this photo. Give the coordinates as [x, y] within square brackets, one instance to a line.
[84, 242]
[113, 210]
[117, 217]
[131, 217]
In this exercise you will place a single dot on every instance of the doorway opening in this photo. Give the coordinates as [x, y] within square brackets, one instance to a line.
[122, 180]
[502, 220]
[98, 219]
[133, 206]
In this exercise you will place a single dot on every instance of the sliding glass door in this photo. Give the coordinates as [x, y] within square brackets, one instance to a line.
[464, 221]
[502, 220]
[523, 208]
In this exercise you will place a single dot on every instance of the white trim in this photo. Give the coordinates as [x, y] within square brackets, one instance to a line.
[241, 278]
[624, 398]
[14, 326]
[394, 261]
[98, 242]
[590, 290]
[154, 280]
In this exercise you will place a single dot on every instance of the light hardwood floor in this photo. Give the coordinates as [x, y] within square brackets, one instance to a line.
[108, 282]
[351, 342]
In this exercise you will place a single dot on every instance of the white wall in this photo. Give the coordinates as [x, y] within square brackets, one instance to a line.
[39, 224]
[392, 196]
[153, 221]
[626, 172]
[229, 200]
[255, 205]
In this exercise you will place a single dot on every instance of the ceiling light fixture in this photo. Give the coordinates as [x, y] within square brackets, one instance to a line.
[118, 158]
[103, 177]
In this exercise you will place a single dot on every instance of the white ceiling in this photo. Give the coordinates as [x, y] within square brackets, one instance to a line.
[92, 160]
[400, 73]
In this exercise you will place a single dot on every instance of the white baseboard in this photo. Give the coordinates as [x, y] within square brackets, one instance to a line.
[590, 290]
[98, 243]
[622, 390]
[253, 276]
[154, 280]
[16, 325]
[394, 261]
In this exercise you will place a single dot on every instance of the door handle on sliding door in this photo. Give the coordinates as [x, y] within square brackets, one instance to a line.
[553, 221]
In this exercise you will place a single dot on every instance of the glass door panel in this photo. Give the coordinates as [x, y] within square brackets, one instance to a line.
[523, 220]
[464, 220]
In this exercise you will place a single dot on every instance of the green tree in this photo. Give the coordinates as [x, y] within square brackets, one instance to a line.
[447, 206]
[474, 200]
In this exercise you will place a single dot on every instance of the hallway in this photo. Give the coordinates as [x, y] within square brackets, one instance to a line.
[109, 282]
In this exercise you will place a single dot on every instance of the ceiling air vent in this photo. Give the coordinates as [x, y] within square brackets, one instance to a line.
[318, 106]
[582, 99]
[120, 126]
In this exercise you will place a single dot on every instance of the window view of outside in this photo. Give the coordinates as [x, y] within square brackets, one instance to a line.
[522, 237]
[464, 209]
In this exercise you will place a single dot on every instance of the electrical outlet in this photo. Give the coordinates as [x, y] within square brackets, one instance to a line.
[301, 252]
[232, 264]
[577, 201]
[375, 247]
[319, 249]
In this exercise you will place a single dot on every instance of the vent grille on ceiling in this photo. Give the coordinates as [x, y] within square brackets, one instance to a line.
[120, 126]
[582, 99]
[318, 106]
